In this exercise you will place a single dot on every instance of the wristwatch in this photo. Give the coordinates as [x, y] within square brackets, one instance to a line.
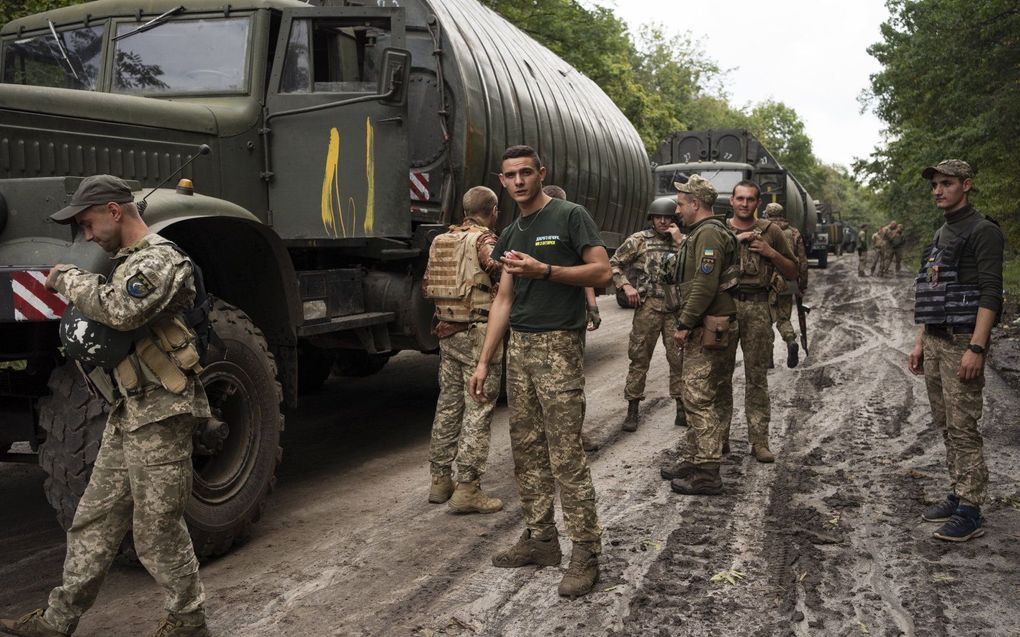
[977, 349]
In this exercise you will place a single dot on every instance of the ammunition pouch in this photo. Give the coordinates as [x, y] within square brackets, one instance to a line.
[715, 334]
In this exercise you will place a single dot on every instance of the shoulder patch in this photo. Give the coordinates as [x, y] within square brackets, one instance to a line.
[707, 264]
[139, 286]
[709, 252]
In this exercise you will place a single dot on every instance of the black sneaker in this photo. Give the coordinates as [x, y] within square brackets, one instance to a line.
[963, 525]
[942, 511]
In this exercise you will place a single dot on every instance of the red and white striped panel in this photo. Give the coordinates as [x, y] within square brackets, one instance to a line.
[419, 186]
[32, 301]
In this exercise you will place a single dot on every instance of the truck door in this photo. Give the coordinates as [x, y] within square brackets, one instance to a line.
[335, 125]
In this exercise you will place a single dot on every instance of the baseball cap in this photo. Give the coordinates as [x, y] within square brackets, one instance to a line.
[94, 191]
[699, 187]
[774, 210]
[952, 167]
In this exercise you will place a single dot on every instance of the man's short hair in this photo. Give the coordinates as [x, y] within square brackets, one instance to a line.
[479, 201]
[747, 183]
[515, 152]
[555, 192]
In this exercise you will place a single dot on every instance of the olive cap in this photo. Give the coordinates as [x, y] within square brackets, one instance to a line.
[774, 210]
[698, 187]
[951, 167]
[94, 191]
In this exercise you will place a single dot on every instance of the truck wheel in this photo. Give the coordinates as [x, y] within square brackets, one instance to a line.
[73, 421]
[231, 485]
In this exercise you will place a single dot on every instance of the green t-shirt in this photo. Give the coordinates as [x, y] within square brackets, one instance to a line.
[556, 235]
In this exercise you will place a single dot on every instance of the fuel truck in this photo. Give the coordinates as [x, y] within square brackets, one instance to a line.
[341, 137]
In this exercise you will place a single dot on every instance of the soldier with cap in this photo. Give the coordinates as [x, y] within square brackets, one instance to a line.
[766, 261]
[706, 331]
[642, 254]
[461, 278]
[958, 300]
[142, 476]
[784, 300]
[862, 249]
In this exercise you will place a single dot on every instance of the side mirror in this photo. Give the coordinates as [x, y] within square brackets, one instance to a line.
[396, 69]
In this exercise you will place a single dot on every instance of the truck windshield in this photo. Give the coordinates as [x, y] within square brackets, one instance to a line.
[183, 56]
[38, 61]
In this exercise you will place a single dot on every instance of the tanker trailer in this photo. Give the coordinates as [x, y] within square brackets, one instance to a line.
[342, 139]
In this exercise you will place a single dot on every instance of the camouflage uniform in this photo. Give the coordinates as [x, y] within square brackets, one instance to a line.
[887, 250]
[896, 243]
[142, 476]
[862, 252]
[784, 301]
[878, 246]
[645, 252]
[461, 428]
[758, 280]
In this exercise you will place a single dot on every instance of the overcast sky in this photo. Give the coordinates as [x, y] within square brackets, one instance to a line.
[809, 54]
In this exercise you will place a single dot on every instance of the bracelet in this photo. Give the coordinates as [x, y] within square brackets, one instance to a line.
[548, 272]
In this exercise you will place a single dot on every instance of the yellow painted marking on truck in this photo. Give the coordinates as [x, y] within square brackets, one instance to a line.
[331, 213]
[369, 175]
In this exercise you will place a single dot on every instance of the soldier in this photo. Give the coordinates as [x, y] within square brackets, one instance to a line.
[142, 476]
[550, 253]
[862, 249]
[886, 233]
[462, 279]
[966, 257]
[784, 300]
[706, 331]
[644, 253]
[896, 243]
[878, 246]
[591, 303]
[765, 259]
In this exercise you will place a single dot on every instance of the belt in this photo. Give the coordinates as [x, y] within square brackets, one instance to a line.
[741, 295]
[946, 331]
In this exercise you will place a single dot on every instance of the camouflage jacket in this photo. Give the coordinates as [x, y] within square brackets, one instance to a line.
[796, 240]
[643, 253]
[703, 269]
[756, 272]
[150, 278]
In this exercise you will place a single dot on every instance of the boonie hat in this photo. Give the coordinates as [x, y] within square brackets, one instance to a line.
[699, 187]
[774, 210]
[951, 167]
[94, 191]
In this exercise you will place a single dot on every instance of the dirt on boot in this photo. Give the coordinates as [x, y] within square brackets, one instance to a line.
[171, 627]
[631, 422]
[681, 415]
[761, 453]
[468, 497]
[33, 624]
[704, 480]
[529, 550]
[582, 572]
[680, 469]
[441, 490]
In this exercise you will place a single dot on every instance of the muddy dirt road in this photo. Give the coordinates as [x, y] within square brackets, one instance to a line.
[827, 541]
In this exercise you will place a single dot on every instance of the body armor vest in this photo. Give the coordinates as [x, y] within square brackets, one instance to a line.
[755, 270]
[939, 297]
[460, 289]
[657, 249]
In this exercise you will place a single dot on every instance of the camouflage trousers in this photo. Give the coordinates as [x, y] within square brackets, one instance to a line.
[141, 482]
[876, 259]
[708, 389]
[897, 258]
[460, 430]
[545, 389]
[862, 262]
[887, 255]
[651, 323]
[956, 407]
[754, 321]
[783, 311]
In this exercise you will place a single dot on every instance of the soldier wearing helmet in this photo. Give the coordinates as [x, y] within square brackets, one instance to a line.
[637, 272]
[118, 329]
[783, 306]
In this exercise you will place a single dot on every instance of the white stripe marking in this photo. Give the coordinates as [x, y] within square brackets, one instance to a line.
[23, 292]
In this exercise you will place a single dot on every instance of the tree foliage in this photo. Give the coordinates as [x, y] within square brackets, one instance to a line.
[949, 88]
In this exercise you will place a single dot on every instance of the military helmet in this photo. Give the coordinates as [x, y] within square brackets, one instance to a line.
[662, 207]
[91, 342]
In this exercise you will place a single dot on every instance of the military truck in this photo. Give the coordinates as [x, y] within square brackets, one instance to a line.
[342, 138]
[725, 157]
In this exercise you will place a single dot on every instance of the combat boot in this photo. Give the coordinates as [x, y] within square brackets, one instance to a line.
[631, 422]
[529, 550]
[442, 489]
[942, 511]
[468, 497]
[33, 624]
[681, 469]
[761, 453]
[704, 480]
[792, 354]
[172, 627]
[582, 572]
[963, 525]
[681, 415]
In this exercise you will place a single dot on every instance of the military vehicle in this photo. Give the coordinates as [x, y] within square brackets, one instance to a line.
[725, 157]
[342, 139]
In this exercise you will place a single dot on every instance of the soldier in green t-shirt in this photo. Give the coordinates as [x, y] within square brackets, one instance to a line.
[550, 253]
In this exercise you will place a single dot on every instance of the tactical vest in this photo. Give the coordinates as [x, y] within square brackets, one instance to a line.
[939, 298]
[686, 266]
[657, 249]
[457, 284]
[755, 270]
